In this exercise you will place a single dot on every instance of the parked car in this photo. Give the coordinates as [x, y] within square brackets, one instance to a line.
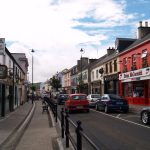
[145, 115]
[62, 98]
[92, 98]
[77, 102]
[112, 102]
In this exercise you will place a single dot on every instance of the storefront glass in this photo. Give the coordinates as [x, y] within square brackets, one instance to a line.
[138, 89]
[128, 89]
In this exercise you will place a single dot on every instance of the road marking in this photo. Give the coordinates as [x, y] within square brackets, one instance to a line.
[118, 116]
[122, 119]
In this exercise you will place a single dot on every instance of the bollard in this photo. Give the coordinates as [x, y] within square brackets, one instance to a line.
[62, 122]
[67, 129]
[79, 137]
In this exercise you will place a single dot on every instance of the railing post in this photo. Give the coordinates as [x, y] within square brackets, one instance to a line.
[56, 112]
[79, 137]
[62, 122]
[67, 129]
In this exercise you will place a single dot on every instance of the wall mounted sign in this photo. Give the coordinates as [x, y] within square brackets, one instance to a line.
[135, 74]
[3, 71]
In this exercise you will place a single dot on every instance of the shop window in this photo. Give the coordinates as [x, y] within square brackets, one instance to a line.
[110, 86]
[128, 89]
[138, 89]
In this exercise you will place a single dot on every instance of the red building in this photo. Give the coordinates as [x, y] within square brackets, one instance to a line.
[135, 69]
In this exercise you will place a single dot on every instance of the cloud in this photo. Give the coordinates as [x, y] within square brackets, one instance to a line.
[53, 29]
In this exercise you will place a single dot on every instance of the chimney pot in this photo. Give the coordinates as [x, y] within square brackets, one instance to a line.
[146, 24]
[140, 23]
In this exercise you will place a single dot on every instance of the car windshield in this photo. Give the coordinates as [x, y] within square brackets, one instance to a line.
[114, 97]
[79, 97]
[95, 96]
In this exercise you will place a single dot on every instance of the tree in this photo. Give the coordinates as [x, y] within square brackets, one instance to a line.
[55, 83]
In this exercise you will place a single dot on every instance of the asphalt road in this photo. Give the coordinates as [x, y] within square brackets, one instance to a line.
[114, 131]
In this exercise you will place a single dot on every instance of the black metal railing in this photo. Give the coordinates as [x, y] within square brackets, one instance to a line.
[53, 105]
[65, 123]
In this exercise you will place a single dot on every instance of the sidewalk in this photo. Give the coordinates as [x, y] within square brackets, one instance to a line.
[40, 134]
[10, 124]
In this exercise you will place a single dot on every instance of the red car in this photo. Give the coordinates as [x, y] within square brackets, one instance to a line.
[77, 102]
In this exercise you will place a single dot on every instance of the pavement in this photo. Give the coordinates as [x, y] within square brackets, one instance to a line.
[42, 130]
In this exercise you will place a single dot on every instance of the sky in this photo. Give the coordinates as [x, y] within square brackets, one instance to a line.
[58, 29]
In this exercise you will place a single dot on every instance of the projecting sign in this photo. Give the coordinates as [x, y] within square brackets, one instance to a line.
[2, 45]
[3, 71]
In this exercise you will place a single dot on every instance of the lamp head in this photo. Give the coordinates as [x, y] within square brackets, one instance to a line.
[81, 50]
[32, 50]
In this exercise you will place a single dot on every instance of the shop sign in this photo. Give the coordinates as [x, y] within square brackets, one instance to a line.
[3, 71]
[135, 74]
[111, 77]
[2, 45]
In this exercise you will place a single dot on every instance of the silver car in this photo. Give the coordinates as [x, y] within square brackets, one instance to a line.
[92, 98]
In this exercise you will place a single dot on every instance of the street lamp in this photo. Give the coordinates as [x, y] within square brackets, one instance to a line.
[82, 52]
[32, 50]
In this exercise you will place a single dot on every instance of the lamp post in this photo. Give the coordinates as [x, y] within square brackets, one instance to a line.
[82, 52]
[32, 50]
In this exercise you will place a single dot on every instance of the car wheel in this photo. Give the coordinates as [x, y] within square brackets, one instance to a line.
[96, 107]
[106, 109]
[145, 117]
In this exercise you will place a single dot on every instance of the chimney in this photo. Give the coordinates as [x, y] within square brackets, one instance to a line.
[146, 24]
[110, 50]
[140, 24]
[143, 30]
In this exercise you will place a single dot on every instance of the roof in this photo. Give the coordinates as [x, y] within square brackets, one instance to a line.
[137, 43]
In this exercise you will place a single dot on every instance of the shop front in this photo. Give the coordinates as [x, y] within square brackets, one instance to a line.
[135, 86]
[111, 84]
[96, 87]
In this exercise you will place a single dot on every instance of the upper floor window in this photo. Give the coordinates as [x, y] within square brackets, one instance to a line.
[115, 65]
[133, 67]
[106, 68]
[97, 74]
[93, 75]
[144, 58]
[110, 67]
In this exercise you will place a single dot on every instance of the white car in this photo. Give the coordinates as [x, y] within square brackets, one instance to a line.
[92, 98]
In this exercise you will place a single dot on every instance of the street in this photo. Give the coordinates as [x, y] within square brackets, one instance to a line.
[114, 131]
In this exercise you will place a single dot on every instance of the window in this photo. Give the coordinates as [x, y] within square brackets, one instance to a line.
[110, 67]
[138, 89]
[133, 67]
[96, 74]
[106, 68]
[144, 58]
[93, 75]
[115, 65]
[128, 89]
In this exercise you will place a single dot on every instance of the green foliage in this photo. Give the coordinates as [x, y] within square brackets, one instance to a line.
[55, 83]
[33, 87]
